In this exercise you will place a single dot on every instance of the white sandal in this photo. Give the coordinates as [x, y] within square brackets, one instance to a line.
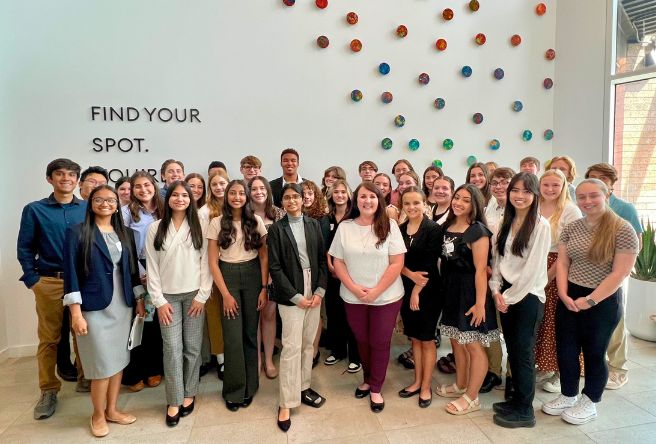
[449, 391]
[472, 406]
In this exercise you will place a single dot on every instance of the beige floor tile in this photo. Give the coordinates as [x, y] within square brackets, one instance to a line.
[635, 343]
[460, 431]
[640, 380]
[66, 429]
[311, 426]
[644, 433]
[172, 436]
[258, 431]
[11, 411]
[645, 400]
[547, 428]
[646, 356]
[616, 412]
[376, 438]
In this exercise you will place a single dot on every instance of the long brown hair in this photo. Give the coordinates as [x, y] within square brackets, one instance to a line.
[269, 208]
[200, 202]
[332, 208]
[191, 213]
[381, 225]
[602, 249]
[388, 197]
[135, 204]
[485, 191]
[319, 207]
[228, 232]
[477, 206]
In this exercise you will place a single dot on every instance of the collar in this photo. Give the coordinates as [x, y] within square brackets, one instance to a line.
[299, 179]
[52, 201]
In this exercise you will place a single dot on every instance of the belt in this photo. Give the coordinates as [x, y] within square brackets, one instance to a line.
[52, 274]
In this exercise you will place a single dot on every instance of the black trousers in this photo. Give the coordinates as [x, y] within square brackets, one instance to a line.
[341, 339]
[520, 328]
[64, 346]
[586, 331]
[147, 359]
[241, 375]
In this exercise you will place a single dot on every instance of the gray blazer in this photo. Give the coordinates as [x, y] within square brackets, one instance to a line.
[284, 263]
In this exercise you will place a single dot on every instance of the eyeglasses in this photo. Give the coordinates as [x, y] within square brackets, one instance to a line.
[250, 167]
[289, 197]
[94, 182]
[99, 201]
[503, 183]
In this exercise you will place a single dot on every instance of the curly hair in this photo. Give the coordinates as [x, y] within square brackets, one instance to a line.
[319, 207]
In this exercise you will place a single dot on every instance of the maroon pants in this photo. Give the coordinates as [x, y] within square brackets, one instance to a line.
[373, 326]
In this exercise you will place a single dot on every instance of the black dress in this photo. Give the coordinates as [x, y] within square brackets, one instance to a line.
[459, 289]
[423, 251]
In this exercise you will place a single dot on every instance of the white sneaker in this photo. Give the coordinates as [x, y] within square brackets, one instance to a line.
[559, 405]
[616, 380]
[552, 384]
[542, 376]
[584, 411]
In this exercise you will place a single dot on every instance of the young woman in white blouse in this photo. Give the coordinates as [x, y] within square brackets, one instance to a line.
[368, 252]
[559, 210]
[239, 264]
[179, 283]
[519, 275]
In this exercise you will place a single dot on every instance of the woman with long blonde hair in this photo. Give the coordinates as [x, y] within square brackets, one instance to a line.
[595, 254]
[559, 210]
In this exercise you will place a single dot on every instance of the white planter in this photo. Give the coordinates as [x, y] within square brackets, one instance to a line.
[640, 305]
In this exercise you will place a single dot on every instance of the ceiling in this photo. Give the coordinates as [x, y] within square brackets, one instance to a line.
[642, 15]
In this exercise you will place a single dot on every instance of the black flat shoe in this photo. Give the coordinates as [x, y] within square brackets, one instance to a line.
[404, 393]
[376, 407]
[204, 368]
[220, 369]
[311, 398]
[172, 421]
[423, 403]
[491, 380]
[67, 373]
[362, 393]
[232, 406]
[184, 411]
[513, 420]
[286, 424]
[315, 360]
[247, 401]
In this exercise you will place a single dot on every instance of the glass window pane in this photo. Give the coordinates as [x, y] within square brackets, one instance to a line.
[636, 35]
[634, 145]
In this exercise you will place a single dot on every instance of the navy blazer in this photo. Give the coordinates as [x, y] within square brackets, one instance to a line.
[97, 288]
[284, 263]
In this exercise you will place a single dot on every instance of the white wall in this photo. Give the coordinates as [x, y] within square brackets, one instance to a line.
[580, 85]
[261, 84]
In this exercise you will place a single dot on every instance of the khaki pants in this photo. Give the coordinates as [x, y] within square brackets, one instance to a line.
[617, 347]
[495, 355]
[299, 328]
[48, 294]
[213, 310]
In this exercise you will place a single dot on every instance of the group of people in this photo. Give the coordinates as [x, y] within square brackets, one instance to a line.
[211, 265]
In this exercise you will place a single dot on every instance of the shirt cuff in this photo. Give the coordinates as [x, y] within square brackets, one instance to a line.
[73, 298]
[200, 299]
[321, 292]
[139, 292]
[296, 299]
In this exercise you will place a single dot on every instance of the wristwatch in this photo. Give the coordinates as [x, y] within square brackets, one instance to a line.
[591, 302]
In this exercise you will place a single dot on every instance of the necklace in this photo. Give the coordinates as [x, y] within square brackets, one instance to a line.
[366, 239]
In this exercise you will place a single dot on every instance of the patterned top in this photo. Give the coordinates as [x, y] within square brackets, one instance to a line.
[577, 237]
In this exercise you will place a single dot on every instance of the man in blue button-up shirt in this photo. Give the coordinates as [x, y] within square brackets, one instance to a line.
[40, 249]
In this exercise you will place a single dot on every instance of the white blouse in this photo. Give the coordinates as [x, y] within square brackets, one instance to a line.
[527, 274]
[178, 267]
[356, 246]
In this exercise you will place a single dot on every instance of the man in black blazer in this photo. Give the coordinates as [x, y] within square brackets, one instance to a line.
[289, 161]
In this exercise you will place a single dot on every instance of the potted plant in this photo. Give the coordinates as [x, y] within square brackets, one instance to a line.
[641, 299]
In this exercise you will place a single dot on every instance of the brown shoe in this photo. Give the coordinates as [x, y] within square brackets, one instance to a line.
[154, 381]
[139, 386]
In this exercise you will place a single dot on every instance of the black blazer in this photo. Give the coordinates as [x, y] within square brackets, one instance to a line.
[276, 191]
[98, 287]
[284, 263]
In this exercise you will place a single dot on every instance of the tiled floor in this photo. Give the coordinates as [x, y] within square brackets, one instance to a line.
[625, 415]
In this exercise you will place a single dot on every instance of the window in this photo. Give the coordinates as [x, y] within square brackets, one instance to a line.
[633, 83]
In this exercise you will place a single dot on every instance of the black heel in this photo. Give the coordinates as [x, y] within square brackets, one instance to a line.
[286, 424]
